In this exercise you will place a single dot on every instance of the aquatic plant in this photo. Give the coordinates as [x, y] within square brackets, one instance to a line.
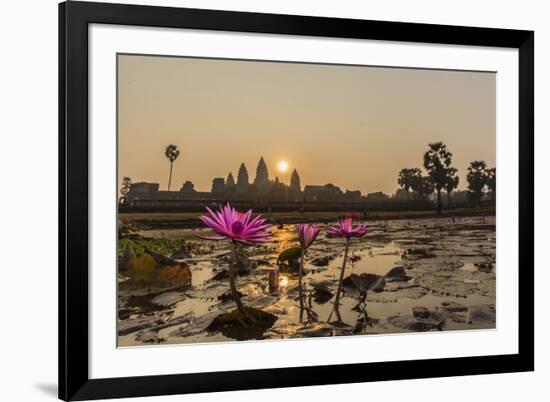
[306, 235]
[344, 229]
[353, 215]
[229, 224]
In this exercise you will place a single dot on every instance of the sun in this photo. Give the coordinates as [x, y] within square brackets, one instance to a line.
[282, 166]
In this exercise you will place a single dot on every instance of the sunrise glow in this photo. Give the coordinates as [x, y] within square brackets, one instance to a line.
[282, 166]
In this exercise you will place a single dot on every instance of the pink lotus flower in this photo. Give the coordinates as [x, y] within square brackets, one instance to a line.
[307, 234]
[228, 223]
[345, 229]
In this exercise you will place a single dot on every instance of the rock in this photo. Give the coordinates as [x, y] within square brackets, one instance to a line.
[153, 268]
[397, 274]
[481, 314]
[169, 298]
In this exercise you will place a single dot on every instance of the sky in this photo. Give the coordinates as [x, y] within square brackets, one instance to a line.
[352, 126]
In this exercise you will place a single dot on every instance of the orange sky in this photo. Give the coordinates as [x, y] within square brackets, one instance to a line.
[355, 127]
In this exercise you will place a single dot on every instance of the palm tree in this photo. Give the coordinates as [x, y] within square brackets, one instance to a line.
[425, 186]
[452, 183]
[492, 182]
[477, 180]
[437, 161]
[125, 189]
[172, 152]
[408, 178]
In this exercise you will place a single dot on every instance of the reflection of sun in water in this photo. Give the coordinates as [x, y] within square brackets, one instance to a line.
[283, 281]
[282, 166]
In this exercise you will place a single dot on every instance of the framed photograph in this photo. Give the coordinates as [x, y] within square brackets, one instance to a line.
[258, 201]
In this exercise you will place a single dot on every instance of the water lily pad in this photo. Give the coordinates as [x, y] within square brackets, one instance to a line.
[231, 324]
[481, 314]
[458, 283]
[415, 324]
[154, 268]
[168, 299]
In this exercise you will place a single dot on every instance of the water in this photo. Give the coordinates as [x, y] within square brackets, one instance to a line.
[445, 261]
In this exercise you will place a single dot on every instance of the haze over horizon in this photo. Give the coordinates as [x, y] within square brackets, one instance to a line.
[352, 126]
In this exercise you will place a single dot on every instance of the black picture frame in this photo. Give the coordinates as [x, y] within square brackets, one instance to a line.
[74, 18]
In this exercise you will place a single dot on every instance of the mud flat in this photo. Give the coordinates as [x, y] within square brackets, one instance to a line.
[430, 274]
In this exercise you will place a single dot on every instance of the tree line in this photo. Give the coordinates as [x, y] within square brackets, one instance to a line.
[442, 176]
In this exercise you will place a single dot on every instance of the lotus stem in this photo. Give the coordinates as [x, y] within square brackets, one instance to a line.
[232, 286]
[340, 282]
[300, 290]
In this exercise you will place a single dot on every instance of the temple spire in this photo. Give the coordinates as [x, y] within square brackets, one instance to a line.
[242, 179]
[262, 175]
[295, 181]
[230, 181]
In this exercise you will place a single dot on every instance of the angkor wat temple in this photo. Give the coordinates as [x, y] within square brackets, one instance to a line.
[262, 192]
